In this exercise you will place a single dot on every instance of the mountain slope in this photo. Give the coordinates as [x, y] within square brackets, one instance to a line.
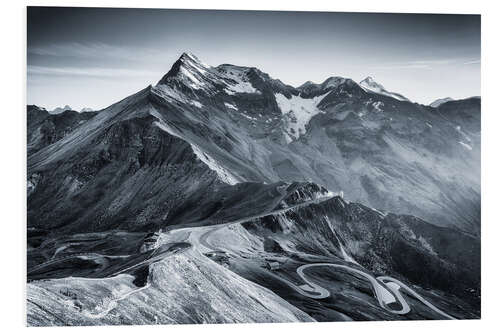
[236, 171]
[126, 168]
[45, 128]
[351, 234]
[184, 290]
[280, 135]
[386, 153]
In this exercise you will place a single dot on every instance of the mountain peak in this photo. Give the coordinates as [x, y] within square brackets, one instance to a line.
[190, 57]
[370, 85]
[333, 82]
[188, 66]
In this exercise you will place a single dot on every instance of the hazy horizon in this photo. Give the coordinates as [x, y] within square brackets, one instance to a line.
[93, 57]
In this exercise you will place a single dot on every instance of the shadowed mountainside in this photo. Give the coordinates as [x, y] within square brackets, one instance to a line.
[240, 168]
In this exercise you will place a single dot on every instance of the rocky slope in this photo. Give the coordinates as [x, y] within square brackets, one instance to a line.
[208, 146]
[387, 153]
[45, 128]
[183, 290]
[401, 246]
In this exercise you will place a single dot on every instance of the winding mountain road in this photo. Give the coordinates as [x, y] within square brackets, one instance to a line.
[387, 289]
[390, 281]
[384, 294]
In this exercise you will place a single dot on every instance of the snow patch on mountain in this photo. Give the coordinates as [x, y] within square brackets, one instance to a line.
[237, 80]
[168, 93]
[173, 95]
[197, 104]
[230, 106]
[465, 145]
[222, 172]
[195, 83]
[370, 85]
[297, 112]
[196, 63]
[248, 117]
[377, 106]
[164, 127]
[244, 87]
[459, 130]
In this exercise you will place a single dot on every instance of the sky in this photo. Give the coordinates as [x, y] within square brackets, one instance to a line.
[94, 57]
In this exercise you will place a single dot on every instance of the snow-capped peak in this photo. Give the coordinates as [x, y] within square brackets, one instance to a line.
[201, 79]
[370, 85]
[190, 59]
[188, 69]
[189, 55]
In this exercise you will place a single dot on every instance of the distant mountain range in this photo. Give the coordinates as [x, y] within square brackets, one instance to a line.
[59, 110]
[212, 145]
[45, 128]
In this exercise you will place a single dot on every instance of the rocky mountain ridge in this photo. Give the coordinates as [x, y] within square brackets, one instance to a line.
[250, 181]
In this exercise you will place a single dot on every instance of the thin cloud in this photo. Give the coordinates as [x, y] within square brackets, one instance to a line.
[473, 62]
[417, 64]
[90, 71]
[404, 66]
[94, 51]
[434, 62]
